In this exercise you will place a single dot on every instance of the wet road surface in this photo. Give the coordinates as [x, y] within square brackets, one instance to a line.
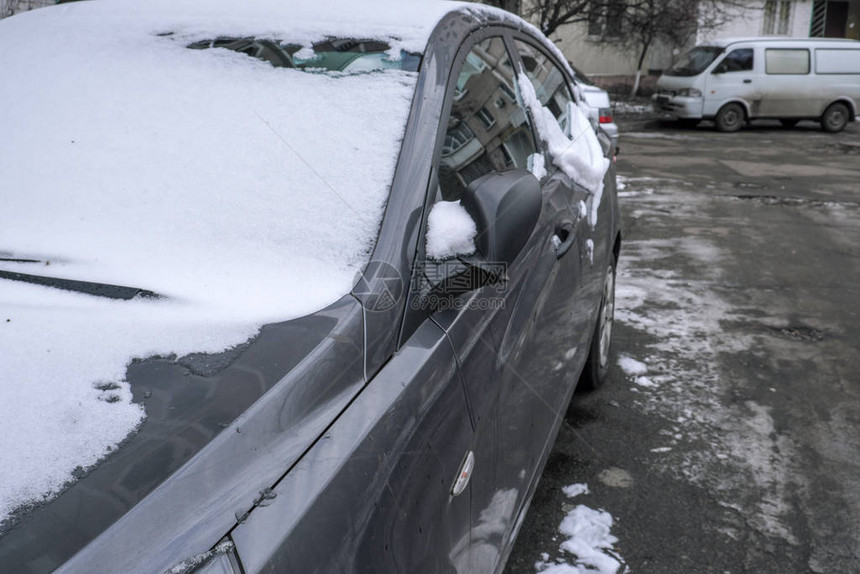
[730, 439]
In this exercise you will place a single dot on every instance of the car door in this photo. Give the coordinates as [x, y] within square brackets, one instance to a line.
[553, 92]
[514, 341]
[733, 78]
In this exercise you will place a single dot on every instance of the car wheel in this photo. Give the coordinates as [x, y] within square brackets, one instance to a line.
[788, 122]
[730, 118]
[597, 364]
[835, 117]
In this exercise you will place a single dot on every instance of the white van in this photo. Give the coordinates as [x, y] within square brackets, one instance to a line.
[790, 79]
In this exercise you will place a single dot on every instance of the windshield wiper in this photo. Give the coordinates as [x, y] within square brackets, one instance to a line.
[86, 287]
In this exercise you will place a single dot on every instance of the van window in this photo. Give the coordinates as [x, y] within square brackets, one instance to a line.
[740, 60]
[834, 61]
[786, 61]
[695, 61]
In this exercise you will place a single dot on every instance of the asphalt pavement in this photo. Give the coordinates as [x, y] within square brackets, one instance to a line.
[727, 439]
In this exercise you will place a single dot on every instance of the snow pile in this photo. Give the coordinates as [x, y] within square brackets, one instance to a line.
[243, 193]
[579, 156]
[635, 370]
[589, 539]
[631, 366]
[589, 536]
[624, 108]
[572, 490]
[450, 231]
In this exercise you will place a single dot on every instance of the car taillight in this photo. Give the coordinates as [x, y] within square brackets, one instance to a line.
[605, 116]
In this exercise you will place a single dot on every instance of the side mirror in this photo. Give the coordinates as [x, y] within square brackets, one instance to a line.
[505, 207]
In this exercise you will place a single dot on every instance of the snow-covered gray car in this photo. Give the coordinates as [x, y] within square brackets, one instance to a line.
[290, 286]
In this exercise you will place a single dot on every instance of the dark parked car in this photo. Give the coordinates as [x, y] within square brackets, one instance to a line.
[404, 426]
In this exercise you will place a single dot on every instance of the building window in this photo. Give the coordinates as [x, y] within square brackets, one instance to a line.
[614, 14]
[595, 22]
[458, 135]
[605, 20]
[508, 92]
[487, 119]
[777, 17]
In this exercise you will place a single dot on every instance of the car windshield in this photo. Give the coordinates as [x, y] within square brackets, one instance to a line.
[334, 55]
[695, 61]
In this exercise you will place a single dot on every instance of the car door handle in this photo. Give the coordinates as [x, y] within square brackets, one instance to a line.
[748, 81]
[565, 235]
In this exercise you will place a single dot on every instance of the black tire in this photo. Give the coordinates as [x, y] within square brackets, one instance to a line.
[788, 122]
[688, 122]
[730, 118]
[835, 117]
[597, 365]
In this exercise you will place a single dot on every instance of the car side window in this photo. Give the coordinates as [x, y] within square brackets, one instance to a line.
[550, 85]
[488, 129]
[740, 60]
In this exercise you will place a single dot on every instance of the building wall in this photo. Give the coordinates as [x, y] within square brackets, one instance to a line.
[751, 22]
[601, 57]
[10, 7]
[853, 25]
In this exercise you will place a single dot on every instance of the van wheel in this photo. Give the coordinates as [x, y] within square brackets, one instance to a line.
[730, 118]
[788, 123]
[835, 117]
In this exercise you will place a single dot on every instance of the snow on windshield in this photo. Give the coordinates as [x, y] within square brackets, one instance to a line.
[242, 193]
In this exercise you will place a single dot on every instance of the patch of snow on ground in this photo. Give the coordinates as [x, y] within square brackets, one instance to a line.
[644, 382]
[589, 541]
[627, 108]
[631, 366]
[573, 490]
